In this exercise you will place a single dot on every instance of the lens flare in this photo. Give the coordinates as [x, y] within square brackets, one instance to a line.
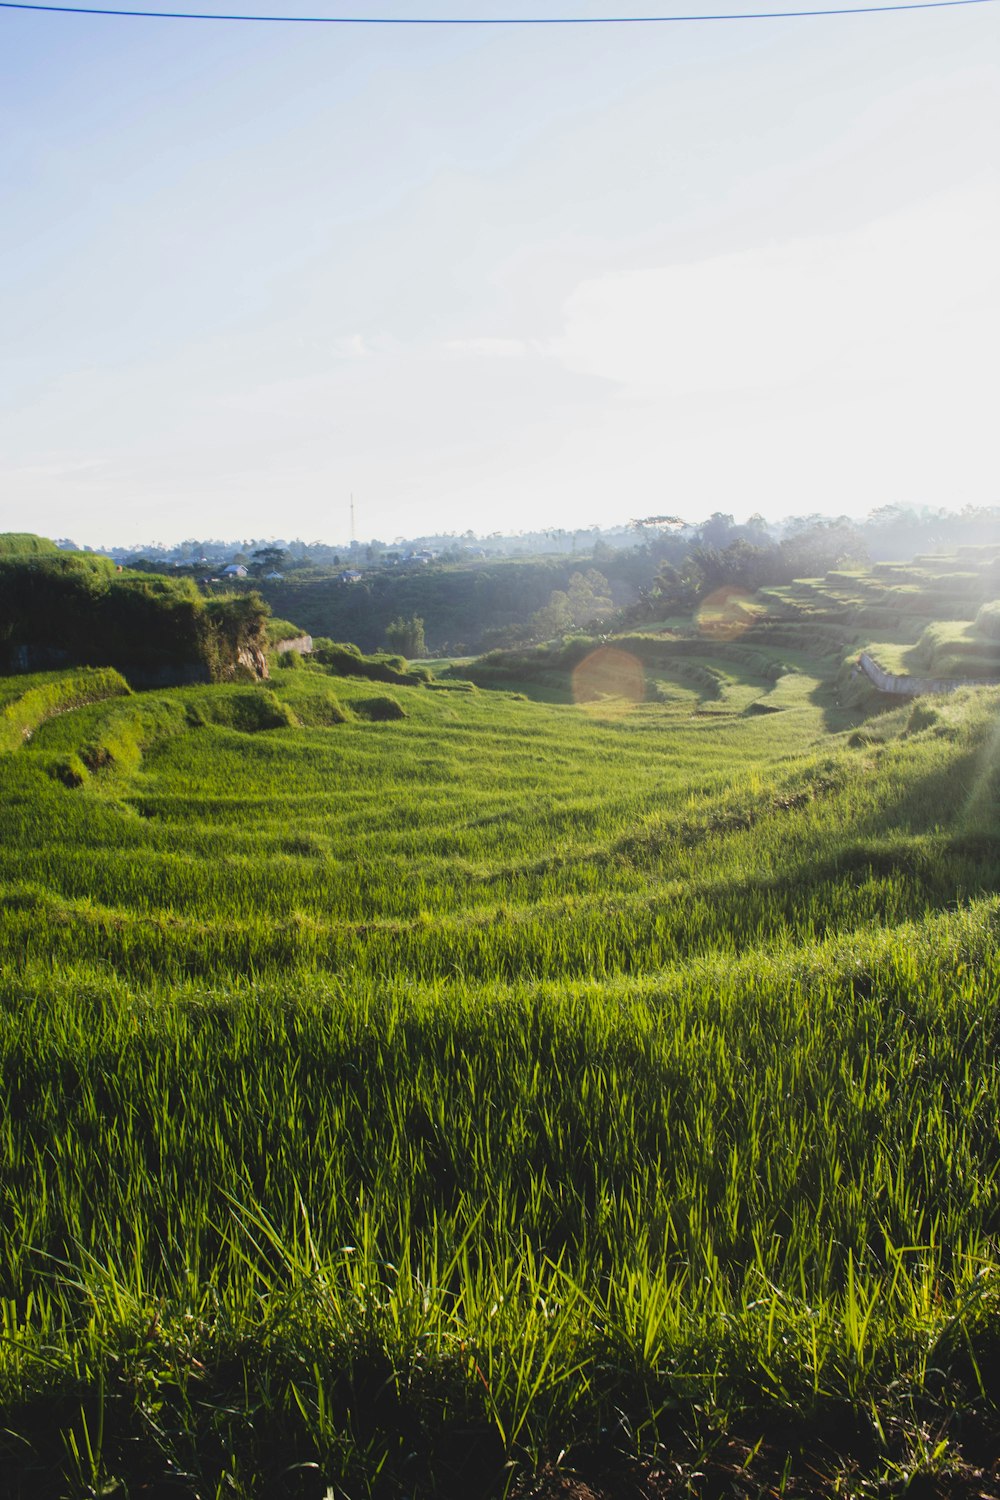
[726, 613]
[608, 681]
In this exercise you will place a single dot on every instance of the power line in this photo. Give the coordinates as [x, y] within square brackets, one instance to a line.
[746, 15]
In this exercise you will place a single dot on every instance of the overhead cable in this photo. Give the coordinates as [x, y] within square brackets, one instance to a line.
[746, 15]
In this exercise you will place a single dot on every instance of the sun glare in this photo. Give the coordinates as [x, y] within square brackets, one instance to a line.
[725, 614]
[608, 681]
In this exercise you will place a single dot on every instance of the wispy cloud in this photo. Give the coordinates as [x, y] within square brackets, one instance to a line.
[911, 297]
[493, 348]
[60, 469]
[353, 346]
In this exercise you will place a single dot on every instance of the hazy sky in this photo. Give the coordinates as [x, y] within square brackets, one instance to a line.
[493, 278]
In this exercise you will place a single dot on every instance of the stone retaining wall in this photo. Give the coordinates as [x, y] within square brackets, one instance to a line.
[914, 687]
[303, 644]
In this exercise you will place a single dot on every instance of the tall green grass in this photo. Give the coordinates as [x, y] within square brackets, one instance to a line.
[26, 702]
[389, 1107]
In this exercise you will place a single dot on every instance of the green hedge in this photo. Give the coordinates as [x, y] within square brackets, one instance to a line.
[345, 660]
[79, 608]
[17, 543]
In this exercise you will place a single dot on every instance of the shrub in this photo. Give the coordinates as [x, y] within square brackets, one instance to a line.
[379, 710]
[324, 643]
[249, 709]
[347, 661]
[922, 716]
[69, 769]
[319, 712]
[988, 620]
[407, 635]
[238, 634]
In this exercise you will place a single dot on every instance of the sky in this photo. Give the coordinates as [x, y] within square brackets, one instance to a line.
[493, 278]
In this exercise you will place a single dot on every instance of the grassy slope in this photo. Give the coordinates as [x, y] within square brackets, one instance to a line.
[387, 1102]
[28, 701]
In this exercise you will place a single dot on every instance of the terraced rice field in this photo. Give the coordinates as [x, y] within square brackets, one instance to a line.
[403, 1106]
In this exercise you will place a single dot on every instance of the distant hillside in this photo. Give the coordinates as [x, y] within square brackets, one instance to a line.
[464, 608]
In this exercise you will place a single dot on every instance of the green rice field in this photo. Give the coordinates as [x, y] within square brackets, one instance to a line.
[441, 1091]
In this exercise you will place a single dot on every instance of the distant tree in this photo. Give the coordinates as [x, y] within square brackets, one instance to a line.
[553, 619]
[406, 636]
[820, 544]
[656, 523]
[586, 598]
[677, 589]
[755, 529]
[717, 531]
[589, 596]
[269, 560]
[741, 563]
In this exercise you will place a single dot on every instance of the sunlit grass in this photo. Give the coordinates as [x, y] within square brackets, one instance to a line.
[405, 1099]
